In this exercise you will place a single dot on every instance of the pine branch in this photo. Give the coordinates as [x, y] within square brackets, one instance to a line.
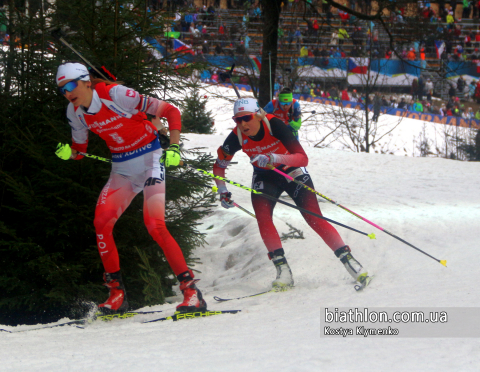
[293, 233]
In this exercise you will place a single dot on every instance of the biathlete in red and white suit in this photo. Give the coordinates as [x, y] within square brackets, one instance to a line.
[117, 114]
[267, 140]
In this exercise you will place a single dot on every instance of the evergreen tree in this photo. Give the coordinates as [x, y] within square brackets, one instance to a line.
[471, 151]
[195, 117]
[49, 265]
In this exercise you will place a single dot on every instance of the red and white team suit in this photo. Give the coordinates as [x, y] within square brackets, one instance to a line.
[117, 115]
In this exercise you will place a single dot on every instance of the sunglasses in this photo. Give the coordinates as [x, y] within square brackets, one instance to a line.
[239, 119]
[70, 86]
[285, 103]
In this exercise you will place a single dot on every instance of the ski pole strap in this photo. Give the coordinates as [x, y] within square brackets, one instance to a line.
[443, 262]
[274, 199]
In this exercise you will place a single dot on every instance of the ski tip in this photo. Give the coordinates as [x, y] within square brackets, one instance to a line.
[216, 298]
[443, 262]
[372, 236]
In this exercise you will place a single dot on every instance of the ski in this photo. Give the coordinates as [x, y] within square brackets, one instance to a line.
[72, 322]
[79, 323]
[282, 289]
[364, 282]
[125, 315]
[192, 315]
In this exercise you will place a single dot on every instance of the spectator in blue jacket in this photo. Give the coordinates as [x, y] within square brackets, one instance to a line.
[418, 107]
[257, 12]
[410, 106]
[205, 76]
[337, 54]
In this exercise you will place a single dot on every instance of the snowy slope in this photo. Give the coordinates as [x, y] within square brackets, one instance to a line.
[432, 203]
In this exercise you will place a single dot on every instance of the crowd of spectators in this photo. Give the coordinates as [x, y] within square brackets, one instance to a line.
[207, 32]
[419, 101]
[346, 38]
[204, 31]
[461, 41]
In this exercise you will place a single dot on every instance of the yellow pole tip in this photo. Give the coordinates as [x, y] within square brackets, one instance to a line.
[372, 236]
[443, 262]
[214, 188]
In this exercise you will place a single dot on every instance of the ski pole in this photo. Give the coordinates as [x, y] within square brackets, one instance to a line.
[443, 262]
[214, 188]
[245, 210]
[94, 157]
[228, 75]
[58, 34]
[371, 236]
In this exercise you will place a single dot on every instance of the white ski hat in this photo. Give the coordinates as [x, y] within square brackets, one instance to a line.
[246, 105]
[68, 71]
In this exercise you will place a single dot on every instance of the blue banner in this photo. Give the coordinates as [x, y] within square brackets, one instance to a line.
[456, 69]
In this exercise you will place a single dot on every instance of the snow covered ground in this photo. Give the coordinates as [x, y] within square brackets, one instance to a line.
[432, 203]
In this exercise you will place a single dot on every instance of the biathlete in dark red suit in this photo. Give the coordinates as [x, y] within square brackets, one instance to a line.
[267, 140]
[117, 114]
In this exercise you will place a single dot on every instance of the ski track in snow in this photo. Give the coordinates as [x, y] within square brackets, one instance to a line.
[432, 203]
